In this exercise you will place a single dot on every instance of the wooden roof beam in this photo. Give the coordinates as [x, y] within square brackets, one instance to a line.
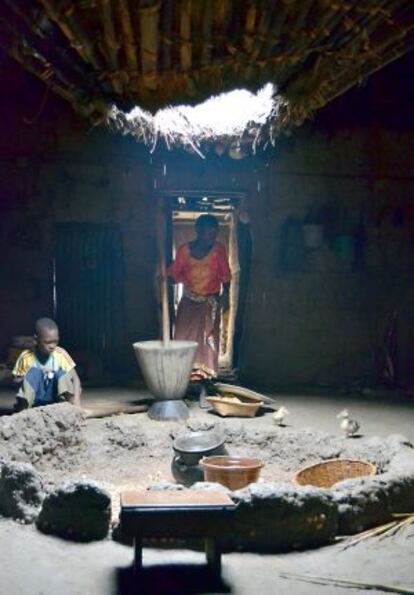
[185, 35]
[35, 63]
[166, 29]
[207, 31]
[319, 41]
[249, 26]
[148, 22]
[77, 37]
[128, 41]
[44, 34]
[111, 44]
[266, 13]
[344, 83]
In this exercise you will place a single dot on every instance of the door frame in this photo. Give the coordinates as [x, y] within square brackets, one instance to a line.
[165, 206]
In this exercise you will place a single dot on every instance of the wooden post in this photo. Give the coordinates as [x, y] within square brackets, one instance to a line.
[163, 273]
[137, 564]
[213, 555]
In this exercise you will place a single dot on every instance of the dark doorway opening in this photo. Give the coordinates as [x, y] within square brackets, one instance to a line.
[182, 209]
[88, 304]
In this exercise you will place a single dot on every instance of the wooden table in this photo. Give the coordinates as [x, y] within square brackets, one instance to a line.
[177, 514]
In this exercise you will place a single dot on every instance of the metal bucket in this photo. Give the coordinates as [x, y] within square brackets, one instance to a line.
[189, 449]
[166, 370]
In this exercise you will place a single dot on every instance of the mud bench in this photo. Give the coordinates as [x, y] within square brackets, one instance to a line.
[179, 515]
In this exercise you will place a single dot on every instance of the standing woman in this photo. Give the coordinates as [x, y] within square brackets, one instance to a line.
[202, 267]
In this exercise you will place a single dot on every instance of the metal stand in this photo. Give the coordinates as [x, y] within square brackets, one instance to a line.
[168, 410]
[202, 399]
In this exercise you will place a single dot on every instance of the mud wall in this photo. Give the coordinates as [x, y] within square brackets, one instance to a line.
[319, 318]
[58, 171]
[317, 315]
[313, 318]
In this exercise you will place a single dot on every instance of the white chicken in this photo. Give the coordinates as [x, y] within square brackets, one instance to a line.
[279, 415]
[349, 426]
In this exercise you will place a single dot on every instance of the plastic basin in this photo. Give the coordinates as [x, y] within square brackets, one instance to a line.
[231, 471]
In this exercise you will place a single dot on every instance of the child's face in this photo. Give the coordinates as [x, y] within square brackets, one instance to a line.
[47, 341]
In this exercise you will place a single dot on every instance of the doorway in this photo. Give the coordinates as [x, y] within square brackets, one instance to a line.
[181, 212]
[88, 305]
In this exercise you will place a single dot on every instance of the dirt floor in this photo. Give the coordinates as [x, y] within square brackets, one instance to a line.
[103, 567]
[34, 564]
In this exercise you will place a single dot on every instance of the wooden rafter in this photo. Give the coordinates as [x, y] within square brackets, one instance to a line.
[158, 52]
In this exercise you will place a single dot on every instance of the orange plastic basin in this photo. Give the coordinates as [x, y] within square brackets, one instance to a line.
[232, 472]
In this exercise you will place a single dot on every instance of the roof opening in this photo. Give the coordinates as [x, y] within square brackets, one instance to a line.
[227, 121]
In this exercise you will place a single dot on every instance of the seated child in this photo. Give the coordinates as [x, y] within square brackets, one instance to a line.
[47, 372]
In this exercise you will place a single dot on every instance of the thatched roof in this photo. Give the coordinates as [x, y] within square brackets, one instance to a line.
[107, 56]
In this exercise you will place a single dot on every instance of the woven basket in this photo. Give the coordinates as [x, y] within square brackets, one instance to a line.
[248, 408]
[326, 474]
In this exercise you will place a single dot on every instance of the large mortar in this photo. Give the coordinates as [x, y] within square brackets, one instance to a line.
[166, 368]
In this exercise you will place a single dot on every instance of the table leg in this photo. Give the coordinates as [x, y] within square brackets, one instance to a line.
[137, 554]
[213, 554]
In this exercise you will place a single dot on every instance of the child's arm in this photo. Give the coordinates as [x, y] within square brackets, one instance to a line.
[77, 389]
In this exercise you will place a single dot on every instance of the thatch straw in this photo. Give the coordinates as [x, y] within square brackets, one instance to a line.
[179, 126]
[382, 531]
[338, 582]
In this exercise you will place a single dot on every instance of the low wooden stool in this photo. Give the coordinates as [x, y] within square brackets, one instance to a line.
[178, 514]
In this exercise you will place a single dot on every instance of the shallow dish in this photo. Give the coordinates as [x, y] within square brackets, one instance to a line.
[243, 407]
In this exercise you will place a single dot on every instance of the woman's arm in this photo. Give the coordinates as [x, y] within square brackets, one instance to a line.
[176, 270]
[224, 273]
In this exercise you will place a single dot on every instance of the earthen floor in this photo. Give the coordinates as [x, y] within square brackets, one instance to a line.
[69, 569]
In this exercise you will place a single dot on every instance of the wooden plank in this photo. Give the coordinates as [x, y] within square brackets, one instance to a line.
[107, 409]
[176, 498]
